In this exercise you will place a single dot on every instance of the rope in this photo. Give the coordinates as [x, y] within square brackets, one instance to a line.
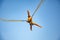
[12, 20]
[38, 7]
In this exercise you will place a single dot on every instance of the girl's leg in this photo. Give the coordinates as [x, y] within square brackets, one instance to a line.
[37, 25]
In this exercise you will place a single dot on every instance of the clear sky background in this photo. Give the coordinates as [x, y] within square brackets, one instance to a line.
[47, 16]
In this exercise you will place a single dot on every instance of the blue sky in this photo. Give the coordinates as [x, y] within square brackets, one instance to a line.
[47, 16]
